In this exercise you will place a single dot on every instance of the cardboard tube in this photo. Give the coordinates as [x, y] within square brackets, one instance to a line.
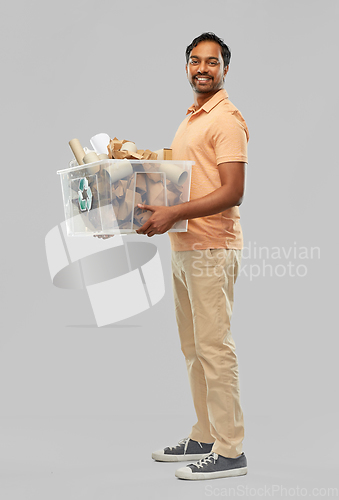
[174, 173]
[129, 146]
[160, 154]
[77, 150]
[90, 157]
[119, 170]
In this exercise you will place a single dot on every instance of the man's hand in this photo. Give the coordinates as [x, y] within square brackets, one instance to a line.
[161, 220]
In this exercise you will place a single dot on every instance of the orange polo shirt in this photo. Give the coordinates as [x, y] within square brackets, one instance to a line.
[214, 134]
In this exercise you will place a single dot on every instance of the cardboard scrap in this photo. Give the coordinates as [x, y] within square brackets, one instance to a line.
[122, 155]
[115, 146]
[141, 186]
[155, 194]
[164, 154]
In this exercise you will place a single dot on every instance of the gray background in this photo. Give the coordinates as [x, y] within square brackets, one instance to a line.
[82, 408]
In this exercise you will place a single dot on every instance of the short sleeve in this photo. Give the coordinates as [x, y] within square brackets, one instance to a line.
[230, 137]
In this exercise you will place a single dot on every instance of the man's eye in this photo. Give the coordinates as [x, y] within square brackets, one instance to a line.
[194, 61]
[212, 63]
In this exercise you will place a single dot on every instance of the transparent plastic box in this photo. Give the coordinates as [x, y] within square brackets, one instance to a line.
[102, 197]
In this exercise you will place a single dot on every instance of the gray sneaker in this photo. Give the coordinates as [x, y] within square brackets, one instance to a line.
[214, 466]
[187, 449]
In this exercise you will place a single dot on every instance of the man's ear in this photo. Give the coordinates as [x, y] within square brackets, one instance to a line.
[186, 69]
[226, 70]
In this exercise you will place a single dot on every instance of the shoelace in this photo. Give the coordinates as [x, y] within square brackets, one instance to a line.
[212, 458]
[185, 442]
[182, 441]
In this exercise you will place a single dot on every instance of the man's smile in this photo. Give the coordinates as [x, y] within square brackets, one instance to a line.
[203, 78]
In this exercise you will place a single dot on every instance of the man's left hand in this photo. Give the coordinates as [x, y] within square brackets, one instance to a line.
[161, 220]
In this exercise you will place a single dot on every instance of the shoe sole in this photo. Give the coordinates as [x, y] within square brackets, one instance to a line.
[211, 475]
[163, 457]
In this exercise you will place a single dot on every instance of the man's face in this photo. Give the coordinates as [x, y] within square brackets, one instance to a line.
[205, 69]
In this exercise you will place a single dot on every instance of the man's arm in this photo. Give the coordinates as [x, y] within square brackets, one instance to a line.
[230, 194]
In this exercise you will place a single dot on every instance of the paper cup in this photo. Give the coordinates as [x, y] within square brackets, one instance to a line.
[100, 142]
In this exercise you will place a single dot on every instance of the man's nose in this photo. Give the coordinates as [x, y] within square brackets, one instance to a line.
[202, 67]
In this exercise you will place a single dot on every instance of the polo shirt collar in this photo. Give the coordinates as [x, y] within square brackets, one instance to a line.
[211, 103]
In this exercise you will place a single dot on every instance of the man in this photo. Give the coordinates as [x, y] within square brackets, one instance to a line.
[205, 263]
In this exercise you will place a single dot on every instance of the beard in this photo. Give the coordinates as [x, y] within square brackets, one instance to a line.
[205, 88]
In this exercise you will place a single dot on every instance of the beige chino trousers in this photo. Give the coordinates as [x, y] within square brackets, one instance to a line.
[203, 284]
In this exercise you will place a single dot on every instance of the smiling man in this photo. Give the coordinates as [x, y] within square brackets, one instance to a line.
[205, 264]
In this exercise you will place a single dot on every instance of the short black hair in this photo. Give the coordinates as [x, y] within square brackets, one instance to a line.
[225, 51]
